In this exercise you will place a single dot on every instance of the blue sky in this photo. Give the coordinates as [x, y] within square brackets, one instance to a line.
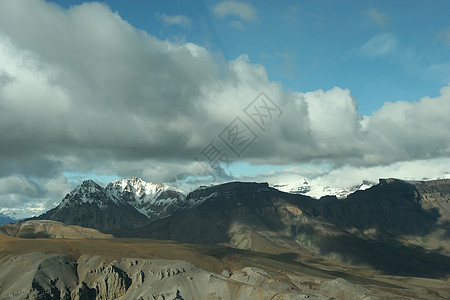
[310, 45]
[115, 89]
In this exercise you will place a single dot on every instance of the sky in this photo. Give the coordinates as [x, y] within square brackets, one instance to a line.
[201, 92]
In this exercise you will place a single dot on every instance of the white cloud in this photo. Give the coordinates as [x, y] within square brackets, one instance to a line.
[333, 117]
[81, 90]
[380, 18]
[179, 20]
[379, 45]
[241, 10]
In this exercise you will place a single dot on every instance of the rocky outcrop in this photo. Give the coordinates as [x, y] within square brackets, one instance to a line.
[37, 276]
[435, 194]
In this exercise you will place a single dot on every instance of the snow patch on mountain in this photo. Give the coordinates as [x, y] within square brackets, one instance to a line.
[301, 186]
[306, 187]
[88, 192]
[148, 198]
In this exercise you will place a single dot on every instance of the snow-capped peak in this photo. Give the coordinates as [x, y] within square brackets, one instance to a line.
[87, 192]
[137, 186]
[144, 196]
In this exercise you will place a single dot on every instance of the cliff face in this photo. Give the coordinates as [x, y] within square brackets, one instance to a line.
[435, 194]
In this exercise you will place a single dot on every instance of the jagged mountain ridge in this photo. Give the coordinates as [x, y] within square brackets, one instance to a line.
[126, 203]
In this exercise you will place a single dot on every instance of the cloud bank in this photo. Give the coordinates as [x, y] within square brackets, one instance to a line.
[81, 90]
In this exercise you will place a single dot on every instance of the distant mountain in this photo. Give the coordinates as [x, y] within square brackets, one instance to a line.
[304, 186]
[126, 203]
[4, 219]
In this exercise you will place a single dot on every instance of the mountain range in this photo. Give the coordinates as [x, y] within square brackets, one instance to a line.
[395, 217]
[398, 228]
